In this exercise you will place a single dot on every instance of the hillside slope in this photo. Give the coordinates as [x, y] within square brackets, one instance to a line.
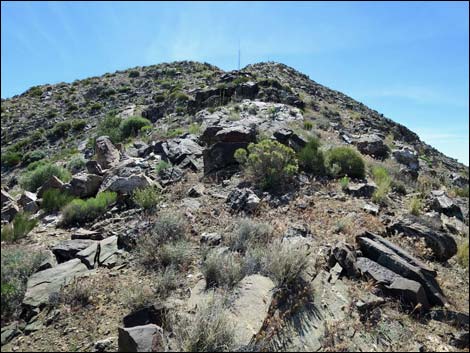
[181, 207]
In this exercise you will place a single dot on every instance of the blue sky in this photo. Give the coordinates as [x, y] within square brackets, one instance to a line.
[409, 61]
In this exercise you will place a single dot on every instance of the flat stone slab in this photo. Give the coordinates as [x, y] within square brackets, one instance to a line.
[43, 283]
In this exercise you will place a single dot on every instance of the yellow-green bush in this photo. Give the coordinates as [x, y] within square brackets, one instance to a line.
[268, 163]
[20, 227]
[33, 179]
[80, 211]
[345, 161]
[383, 181]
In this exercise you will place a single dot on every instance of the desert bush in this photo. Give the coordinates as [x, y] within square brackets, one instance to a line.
[16, 266]
[399, 187]
[138, 297]
[222, 270]
[209, 330]
[311, 158]
[345, 161]
[462, 253]
[248, 233]
[462, 192]
[77, 293]
[166, 281]
[284, 262]
[154, 255]
[32, 180]
[147, 198]
[109, 126]
[383, 181]
[11, 158]
[162, 165]
[35, 91]
[194, 129]
[269, 163]
[344, 182]
[131, 126]
[415, 206]
[169, 227]
[134, 73]
[20, 227]
[33, 156]
[76, 164]
[308, 125]
[80, 211]
[53, 200]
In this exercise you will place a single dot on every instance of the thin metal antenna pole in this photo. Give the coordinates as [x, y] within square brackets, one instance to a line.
[238, 54]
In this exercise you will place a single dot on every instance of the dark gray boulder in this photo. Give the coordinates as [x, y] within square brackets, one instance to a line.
[442, 244]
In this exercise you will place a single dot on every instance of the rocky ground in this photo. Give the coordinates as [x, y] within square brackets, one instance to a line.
[369, 275]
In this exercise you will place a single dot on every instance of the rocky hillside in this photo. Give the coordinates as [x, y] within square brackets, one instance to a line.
[181, 207]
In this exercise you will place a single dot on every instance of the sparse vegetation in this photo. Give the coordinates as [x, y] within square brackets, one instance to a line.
[268, 163]
[76, 164]
[21, 225]
[80, 211]
[147, 198]
[209, 330]
[248, 233]
[415, 206]
[17, 264]
[222, 269]
[383, 181]
[462, 254]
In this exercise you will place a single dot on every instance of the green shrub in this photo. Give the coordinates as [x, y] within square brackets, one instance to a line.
[34, 165]
[11, 159]
[344, 182]
[16, 267]
[147, 198]
[268, 163]
[249, 233]
[35, 91]
[383, 181]
[162, 165]
[80, 211]
[311, 158]
[53, 200]
[342, 161]
[208, 330]
[166, 281]
[132, 125]
[109, 126]
[415, 206]
[78, 124]
[462, 254]
[194, 129]
[96, 106]
[308, 125]
[32, 180]
[399, 187]
[33, 156]
[462, 192]
[20, 227]
[76, 164]
[134, 73]
[222, 270]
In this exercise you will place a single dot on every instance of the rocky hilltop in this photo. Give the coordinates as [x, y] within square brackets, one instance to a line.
[178, 207]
